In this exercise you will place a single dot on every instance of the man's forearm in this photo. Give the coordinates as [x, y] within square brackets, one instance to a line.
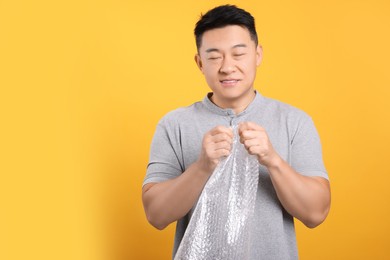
[305, 198]
[169, 201]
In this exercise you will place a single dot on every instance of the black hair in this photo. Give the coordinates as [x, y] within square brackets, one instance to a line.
[222, 16]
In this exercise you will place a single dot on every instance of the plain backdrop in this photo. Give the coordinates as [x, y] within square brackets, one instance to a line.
[84, 83]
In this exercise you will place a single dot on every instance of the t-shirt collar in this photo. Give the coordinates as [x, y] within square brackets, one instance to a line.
[228, 111]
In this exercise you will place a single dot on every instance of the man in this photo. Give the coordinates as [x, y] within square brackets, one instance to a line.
[190, 141]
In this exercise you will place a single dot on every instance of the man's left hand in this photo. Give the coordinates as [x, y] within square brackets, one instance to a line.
[256, 142]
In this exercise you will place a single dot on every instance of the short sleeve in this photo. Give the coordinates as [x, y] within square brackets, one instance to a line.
[306, 150]
[164, 163]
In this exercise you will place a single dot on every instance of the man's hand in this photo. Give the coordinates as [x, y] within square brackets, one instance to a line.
[305, 198]
[256, 141]
[170, 200]
[216, 144]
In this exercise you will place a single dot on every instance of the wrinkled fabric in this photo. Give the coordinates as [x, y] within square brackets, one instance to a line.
[220, 225]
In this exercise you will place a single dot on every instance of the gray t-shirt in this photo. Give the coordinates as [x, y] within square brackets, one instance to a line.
[177, 144]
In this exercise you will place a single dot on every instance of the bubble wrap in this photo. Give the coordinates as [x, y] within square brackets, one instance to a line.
[223, 217]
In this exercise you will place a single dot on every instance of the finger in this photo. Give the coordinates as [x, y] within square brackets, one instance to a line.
[250, 134]
[221, 137]
[243, 126]
[251, 142]
[256, 150]
[221, 153]
[223, 145]
[248, 126]
[222, 129]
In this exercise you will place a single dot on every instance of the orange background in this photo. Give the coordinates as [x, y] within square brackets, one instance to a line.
[83, 84]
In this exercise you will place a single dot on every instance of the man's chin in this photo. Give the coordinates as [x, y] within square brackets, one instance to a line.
[232, 95]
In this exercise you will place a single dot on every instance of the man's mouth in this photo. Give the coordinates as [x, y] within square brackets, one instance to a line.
[229, 81]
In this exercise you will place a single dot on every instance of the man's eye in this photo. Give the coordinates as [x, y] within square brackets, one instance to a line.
[214, 58]
[239, 54]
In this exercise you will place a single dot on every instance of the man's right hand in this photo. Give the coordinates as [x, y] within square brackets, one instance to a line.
[170, 200]
[216, 144]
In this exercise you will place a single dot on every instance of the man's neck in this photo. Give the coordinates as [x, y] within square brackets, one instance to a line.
[238, 105]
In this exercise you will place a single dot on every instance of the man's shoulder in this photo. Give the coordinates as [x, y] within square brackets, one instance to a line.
[181, 114]
[284, 109]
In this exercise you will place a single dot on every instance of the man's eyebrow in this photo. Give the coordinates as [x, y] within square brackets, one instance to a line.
[241, 45]
[212, 50]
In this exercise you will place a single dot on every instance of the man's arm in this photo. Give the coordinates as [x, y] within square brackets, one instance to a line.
[170, 200]
[305, 198]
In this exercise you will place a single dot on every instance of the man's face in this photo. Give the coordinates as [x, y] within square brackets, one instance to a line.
[228, 58]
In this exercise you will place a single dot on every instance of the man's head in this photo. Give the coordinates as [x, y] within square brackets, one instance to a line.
[222, 16]
[228, 54]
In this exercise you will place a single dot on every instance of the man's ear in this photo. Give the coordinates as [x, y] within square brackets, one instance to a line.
[199, 62]
[259, 55]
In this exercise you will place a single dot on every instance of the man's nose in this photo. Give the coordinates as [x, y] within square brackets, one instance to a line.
[228, 66]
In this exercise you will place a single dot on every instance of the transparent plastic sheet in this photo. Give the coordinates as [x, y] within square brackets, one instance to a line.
[223, 217]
